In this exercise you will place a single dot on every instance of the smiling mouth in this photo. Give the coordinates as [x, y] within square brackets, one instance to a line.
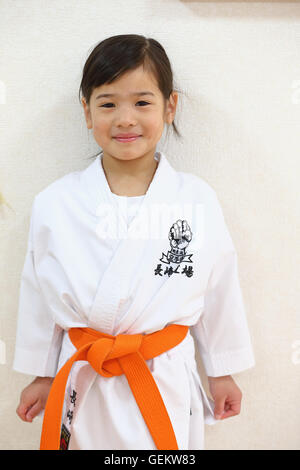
[127, 139]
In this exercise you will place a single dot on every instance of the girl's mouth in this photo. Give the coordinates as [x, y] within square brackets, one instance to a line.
[128, 139]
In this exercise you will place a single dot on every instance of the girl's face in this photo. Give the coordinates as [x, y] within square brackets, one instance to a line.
[128, 112]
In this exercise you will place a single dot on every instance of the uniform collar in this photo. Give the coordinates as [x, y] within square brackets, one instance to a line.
[162, 188]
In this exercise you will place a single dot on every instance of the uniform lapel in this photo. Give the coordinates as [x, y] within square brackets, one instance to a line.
[136, 250]
[103, 202]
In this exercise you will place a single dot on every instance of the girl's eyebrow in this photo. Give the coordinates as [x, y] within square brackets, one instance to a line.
[135, 93]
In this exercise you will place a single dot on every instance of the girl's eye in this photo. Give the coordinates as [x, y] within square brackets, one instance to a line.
[143, 102]
[105, 105]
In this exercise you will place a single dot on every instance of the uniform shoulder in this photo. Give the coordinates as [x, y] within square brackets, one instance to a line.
[198, 185]
[206, 194]
[56, 191]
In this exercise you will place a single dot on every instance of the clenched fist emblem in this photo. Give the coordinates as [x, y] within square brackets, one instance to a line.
[180, 234]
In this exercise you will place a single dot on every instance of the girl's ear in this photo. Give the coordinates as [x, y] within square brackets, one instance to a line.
[171, 107]
[87, 113]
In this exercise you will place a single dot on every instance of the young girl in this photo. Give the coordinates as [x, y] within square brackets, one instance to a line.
[124, 258]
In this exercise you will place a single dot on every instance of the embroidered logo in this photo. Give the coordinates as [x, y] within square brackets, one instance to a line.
[180, 236]
[64, 438]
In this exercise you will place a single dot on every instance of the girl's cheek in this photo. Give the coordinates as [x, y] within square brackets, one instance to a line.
[101, 126]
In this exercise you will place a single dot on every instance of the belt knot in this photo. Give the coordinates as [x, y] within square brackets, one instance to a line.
[116, 355]
[104, 353]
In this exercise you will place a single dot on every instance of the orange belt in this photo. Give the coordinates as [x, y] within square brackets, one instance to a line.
[117, 355]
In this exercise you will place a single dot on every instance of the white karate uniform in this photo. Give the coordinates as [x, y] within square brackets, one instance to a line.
[92, 263]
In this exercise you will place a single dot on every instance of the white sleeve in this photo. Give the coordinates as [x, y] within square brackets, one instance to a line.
[39, 338]
[221, 333]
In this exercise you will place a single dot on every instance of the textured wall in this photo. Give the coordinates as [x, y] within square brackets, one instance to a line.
[237, 65]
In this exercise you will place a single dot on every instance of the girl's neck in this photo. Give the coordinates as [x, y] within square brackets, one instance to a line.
[129, 177]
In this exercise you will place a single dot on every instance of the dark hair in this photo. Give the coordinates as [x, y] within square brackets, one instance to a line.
[115, 55]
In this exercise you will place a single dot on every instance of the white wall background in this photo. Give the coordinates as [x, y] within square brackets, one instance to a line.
[238, 66]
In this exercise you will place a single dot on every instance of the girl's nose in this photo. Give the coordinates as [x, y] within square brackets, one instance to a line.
[125, 118]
